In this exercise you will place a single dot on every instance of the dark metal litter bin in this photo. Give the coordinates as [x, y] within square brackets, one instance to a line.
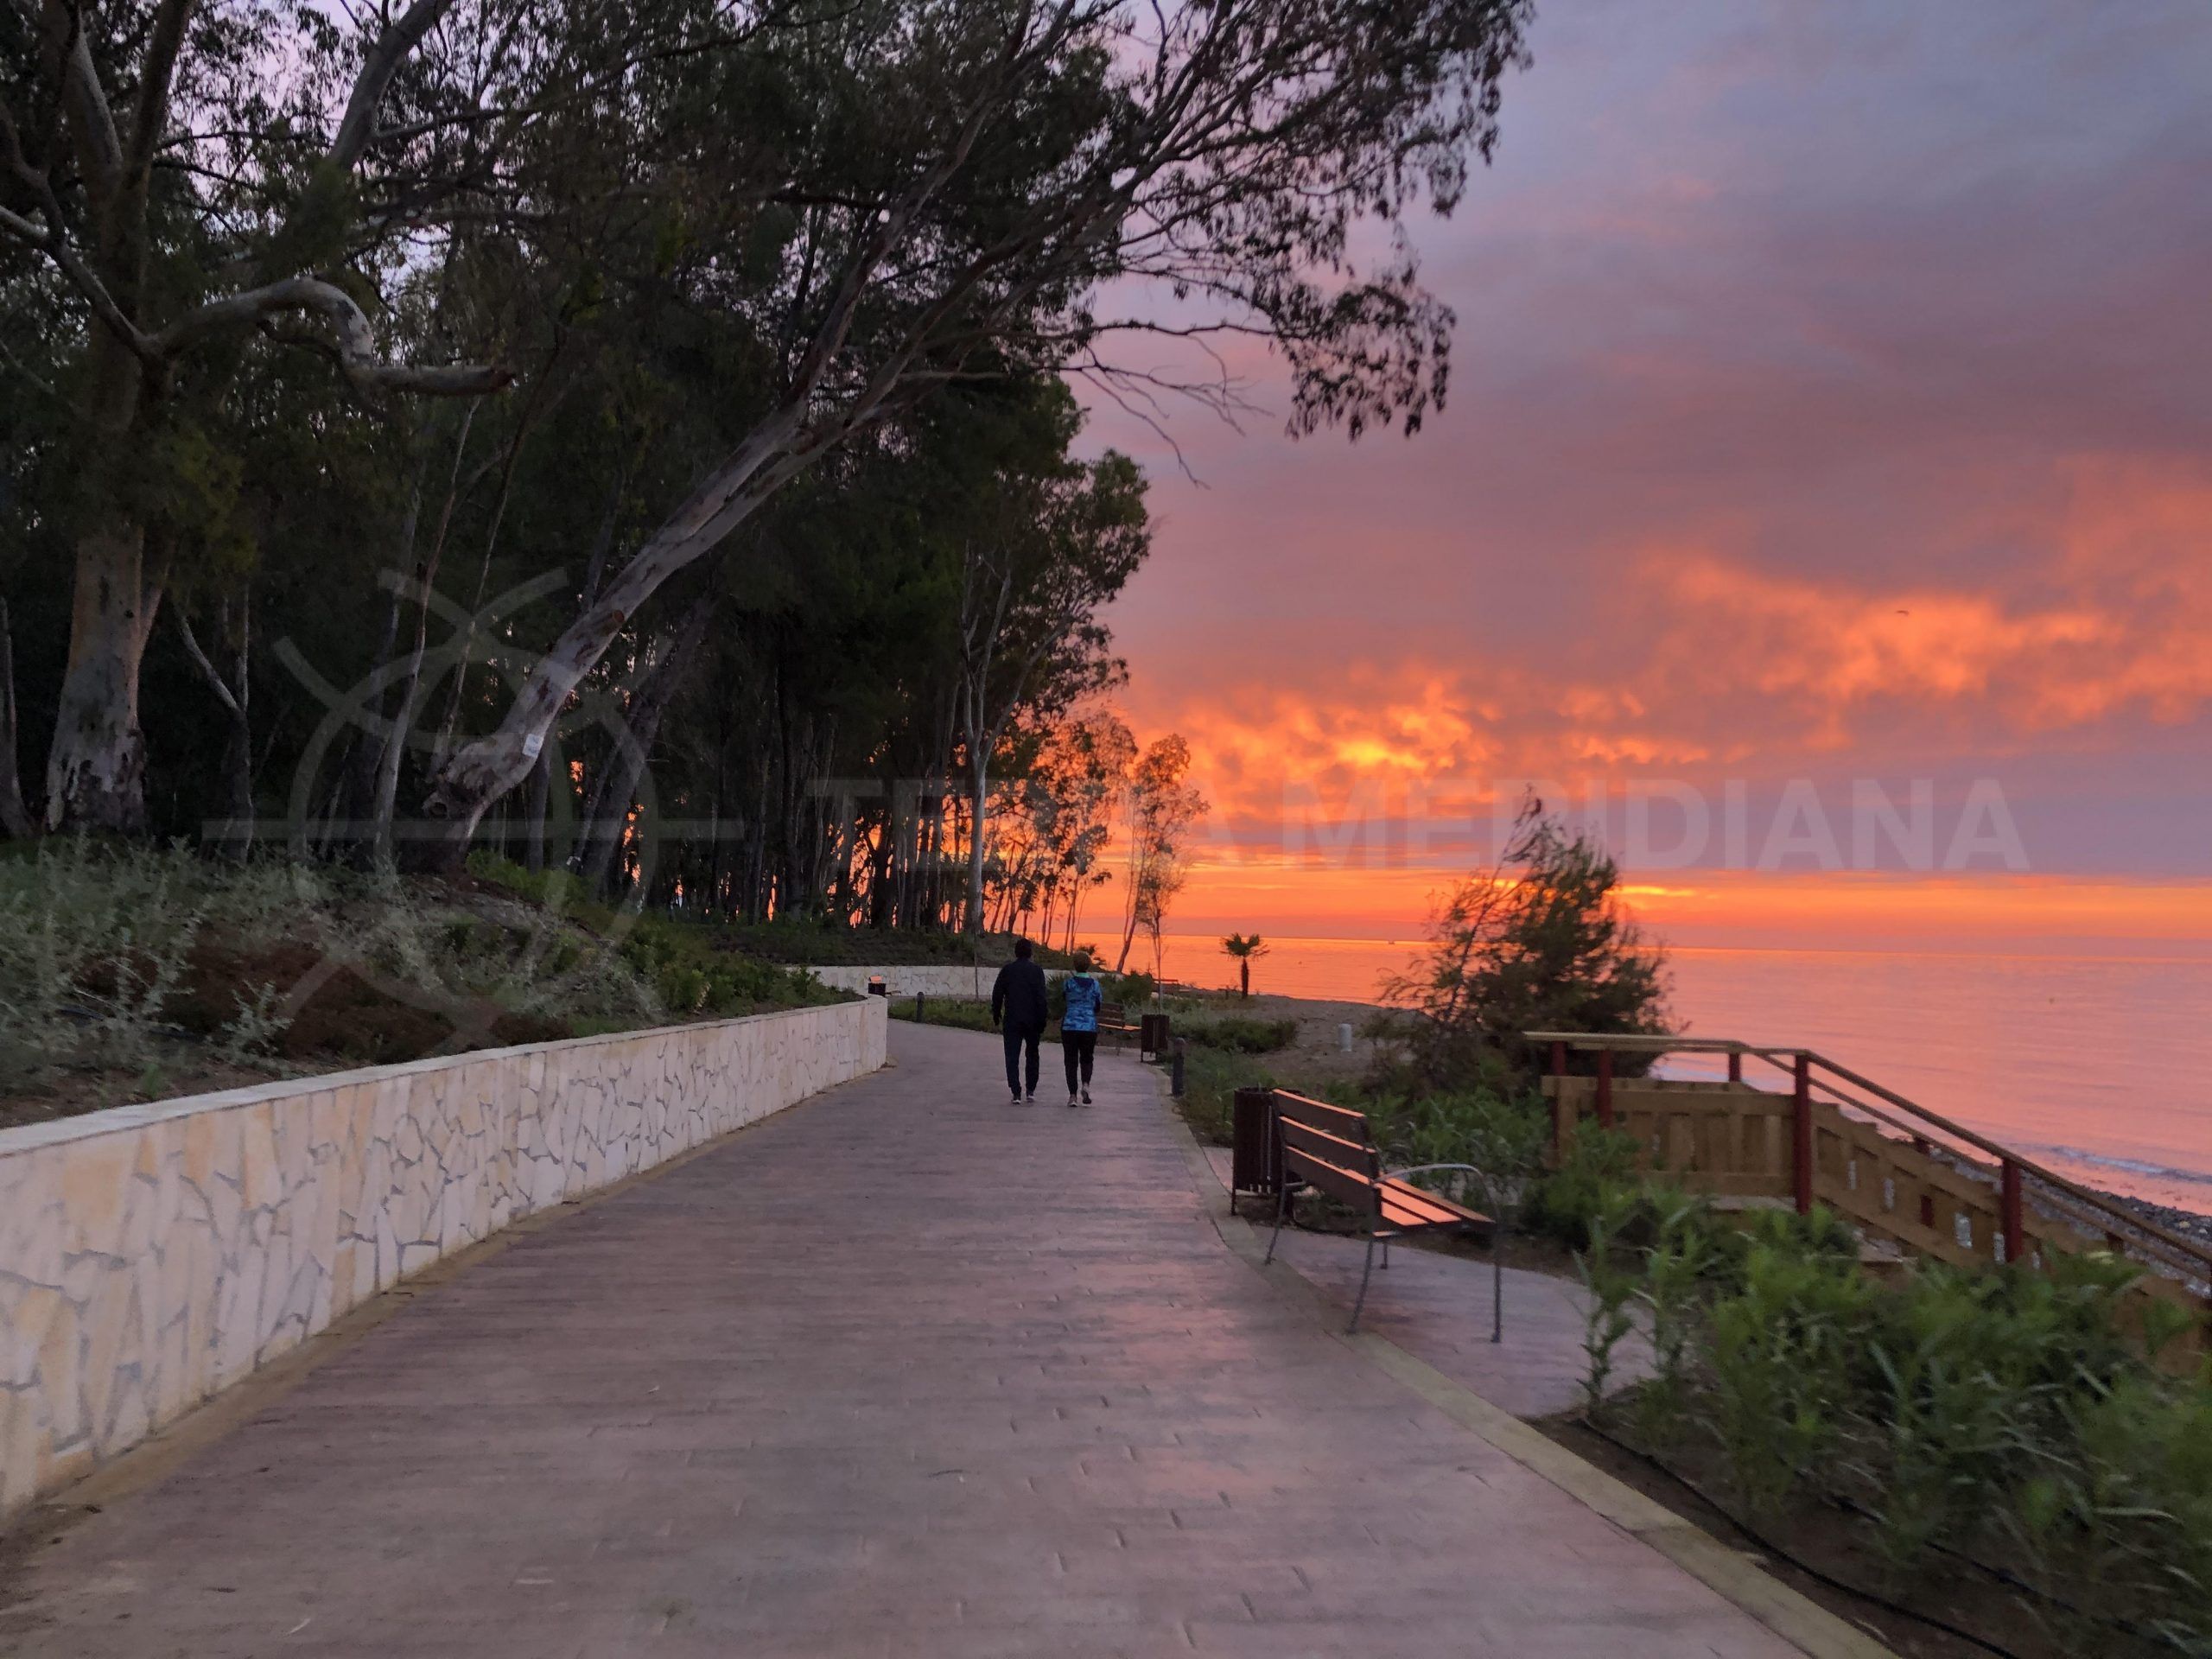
[1151, 1037]
[1255, 1161]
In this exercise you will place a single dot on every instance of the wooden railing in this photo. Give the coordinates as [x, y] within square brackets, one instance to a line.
[1898, 1171]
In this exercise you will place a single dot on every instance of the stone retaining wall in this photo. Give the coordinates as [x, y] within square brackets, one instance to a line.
[933, 979]
[152, 1256]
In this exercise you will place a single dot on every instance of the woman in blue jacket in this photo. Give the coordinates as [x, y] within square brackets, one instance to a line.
[1080, 998]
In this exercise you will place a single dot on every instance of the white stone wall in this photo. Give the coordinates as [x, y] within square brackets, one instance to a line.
[151, 1255]
[933, 979]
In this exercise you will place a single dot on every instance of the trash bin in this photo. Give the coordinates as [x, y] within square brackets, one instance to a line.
[1255, 1165]
[1151, 1037]
[876, 987]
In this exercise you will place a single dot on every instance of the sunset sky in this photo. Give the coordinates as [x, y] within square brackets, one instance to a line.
[1831, 401]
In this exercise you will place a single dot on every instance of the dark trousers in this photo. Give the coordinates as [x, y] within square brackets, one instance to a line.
[1016, 1041]
[1078, 1049]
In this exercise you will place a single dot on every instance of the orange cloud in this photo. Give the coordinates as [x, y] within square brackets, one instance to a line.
[1702, 662]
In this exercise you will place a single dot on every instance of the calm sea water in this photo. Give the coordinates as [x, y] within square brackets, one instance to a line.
[2100, 1066]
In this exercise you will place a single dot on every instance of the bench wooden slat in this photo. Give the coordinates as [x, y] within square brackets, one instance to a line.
[1319, 1143]
[1345, 1186]
[1407, 1205]
[1339, 1121]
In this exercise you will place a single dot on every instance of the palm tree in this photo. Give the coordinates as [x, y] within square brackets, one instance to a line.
[1244, 949]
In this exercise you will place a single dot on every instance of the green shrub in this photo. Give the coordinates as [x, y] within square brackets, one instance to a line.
[1610, 1286]
[682, 990]
[1245, 1035]
[1675, 1272]
[1783, 1344]
[1599, 1165]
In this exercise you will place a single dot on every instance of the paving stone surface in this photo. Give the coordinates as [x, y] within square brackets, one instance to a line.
[902, 1370]
[1436, 1306]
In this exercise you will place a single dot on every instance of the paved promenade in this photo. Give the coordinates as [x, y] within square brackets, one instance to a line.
[903, 1371]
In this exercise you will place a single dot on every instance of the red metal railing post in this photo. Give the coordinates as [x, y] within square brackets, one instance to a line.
[2015, 1218]
[1801, 1137]
[1605, 1087]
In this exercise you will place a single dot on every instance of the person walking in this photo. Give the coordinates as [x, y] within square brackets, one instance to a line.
[1080, 997]
[1019, 1008]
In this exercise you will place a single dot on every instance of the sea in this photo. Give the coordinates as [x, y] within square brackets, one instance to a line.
[2098, 1066]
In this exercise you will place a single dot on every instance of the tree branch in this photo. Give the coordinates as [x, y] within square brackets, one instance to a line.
[100, 150]
[155, 79]
[357, 354]
[389, 51]
[206, 668]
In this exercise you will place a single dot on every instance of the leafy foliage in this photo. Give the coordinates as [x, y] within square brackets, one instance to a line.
[1538, 942]
[2012, 1417]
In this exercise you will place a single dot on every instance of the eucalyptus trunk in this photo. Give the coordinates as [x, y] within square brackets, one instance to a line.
[96, 770]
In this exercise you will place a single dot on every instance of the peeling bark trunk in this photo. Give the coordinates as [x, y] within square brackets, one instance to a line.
[96, 776]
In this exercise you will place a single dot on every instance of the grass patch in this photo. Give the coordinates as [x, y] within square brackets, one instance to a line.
[1242, 1033]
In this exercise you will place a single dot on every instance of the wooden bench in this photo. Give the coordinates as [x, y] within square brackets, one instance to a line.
[1331, 1150]
[1113, 1019]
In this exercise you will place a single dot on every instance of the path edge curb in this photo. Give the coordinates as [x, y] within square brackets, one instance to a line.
[1794, 1617]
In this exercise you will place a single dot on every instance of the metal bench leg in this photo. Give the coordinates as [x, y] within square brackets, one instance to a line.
[1360, 1300]
[1386, 1256]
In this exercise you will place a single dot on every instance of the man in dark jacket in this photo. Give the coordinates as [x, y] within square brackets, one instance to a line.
[1017, 1008]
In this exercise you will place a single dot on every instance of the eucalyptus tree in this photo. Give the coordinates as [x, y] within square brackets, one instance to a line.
[203, 179]
[909, 194]
[1160, 812]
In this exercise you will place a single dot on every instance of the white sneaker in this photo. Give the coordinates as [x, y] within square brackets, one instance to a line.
[1086, 1098]
[1073, 1102]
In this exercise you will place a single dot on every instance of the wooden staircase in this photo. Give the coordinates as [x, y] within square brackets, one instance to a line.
[1908, 1179]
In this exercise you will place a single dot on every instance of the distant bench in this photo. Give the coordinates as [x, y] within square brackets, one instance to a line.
[1113, 1019]
[1332, 1150]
